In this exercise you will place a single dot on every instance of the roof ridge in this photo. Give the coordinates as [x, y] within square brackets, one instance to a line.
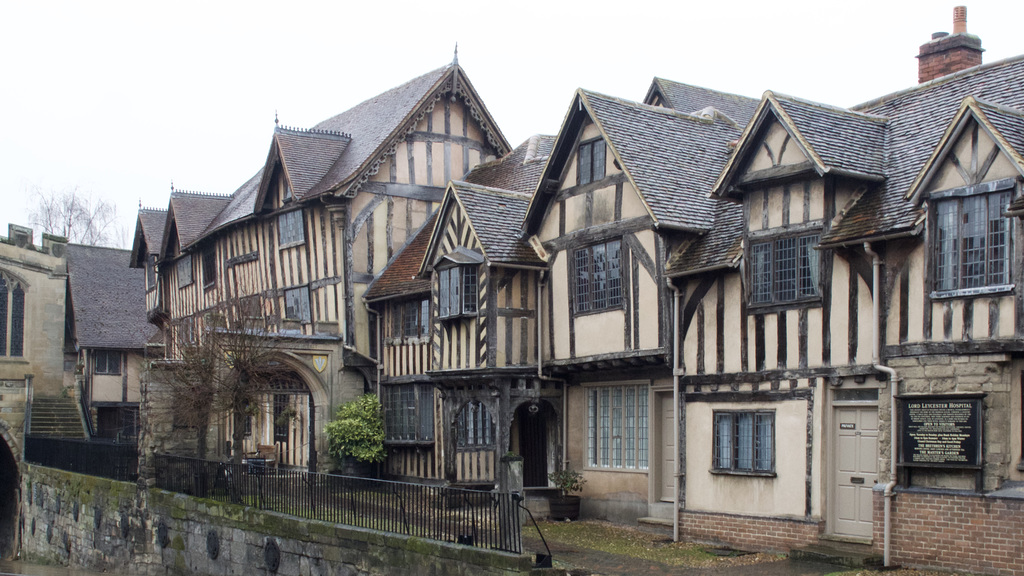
[997, 106]
[178, 193]
[151, 209]
[715, 90]
[938, 82]
[491, 189]
[648, 108]
[829, 107]
[311, 132]
[99, 247]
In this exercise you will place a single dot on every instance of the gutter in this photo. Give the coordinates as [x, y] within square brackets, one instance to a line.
[876, 264]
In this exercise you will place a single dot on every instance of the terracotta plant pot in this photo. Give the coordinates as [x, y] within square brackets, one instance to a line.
[565, 507]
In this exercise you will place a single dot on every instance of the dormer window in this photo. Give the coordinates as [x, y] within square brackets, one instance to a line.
[971, 242]
[591, 161]
[457, 283]
[784, 269]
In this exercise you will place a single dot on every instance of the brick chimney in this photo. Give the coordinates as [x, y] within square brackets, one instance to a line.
[948, 53]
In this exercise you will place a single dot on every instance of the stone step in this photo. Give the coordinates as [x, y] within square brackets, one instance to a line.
[847, 554]
[59, 417]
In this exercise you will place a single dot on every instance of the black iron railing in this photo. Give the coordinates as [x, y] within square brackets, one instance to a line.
[105, 459]
[475, 518]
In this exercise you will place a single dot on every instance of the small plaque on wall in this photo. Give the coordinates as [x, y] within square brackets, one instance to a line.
[942, 431]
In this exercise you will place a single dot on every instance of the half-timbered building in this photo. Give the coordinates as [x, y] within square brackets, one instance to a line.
[304, 236]
[869, 263]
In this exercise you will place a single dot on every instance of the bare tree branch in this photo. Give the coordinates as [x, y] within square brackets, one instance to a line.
[76, 215]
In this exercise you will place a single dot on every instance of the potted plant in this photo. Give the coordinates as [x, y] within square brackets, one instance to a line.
[566, 505]
[356, 435]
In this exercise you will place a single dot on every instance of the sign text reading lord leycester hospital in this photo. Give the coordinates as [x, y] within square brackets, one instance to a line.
[941, 431]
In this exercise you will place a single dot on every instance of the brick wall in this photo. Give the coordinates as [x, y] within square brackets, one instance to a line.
[758, 533]
[954, 531]
[947, 55]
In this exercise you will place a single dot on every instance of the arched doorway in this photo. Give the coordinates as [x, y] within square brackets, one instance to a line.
[282, 423]
[8, 501]
[533, 420]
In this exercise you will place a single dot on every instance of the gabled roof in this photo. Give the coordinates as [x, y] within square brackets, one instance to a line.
[241, 206]
[834, 140]
[671, 158]
[1004, 125]
[305, 155]
[108, 299]
[149, 235]
[377, 124]
[190, 213]
[690, 99]
[518, 171]
[918, 118]
[400, 277]
[495, 216]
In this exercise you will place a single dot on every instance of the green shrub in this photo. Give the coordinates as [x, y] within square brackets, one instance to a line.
[357, 430]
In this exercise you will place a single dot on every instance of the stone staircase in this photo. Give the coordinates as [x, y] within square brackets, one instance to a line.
[58, 417]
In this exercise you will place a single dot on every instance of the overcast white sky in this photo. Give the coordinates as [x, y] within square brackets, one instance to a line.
[122, 98]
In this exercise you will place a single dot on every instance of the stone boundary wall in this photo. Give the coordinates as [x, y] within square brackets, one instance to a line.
[757, 533]
[100, 524]
[953, 531]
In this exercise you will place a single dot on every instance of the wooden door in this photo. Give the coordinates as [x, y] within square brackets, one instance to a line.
[533, 445]
[855, 470]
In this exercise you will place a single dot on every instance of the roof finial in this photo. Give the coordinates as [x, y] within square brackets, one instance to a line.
[455, 60]
[172, 185]
[140, 202]
[275, 117]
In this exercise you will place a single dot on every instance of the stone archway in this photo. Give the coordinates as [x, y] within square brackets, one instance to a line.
[9, 479]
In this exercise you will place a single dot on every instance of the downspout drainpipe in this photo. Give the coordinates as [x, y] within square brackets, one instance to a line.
[876, 265]
[676, 373]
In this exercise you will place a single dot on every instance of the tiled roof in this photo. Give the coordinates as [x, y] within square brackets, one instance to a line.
[1009, 122]
[108, 298]
[673, 158]
[849, 141]
[719, 248]
[308, 155]
[400, 278]
[152, 223]
[242, 204]
[918, 117]
[689, 99]
[518, 171]
[496, 216]
[371, 123]
[193, 212]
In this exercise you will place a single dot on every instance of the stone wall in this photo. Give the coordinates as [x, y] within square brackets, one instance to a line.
[101, 524]
[954, 531]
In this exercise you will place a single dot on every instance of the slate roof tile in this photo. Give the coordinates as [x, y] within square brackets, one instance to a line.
[690, 99]
[496, 216]
[193, 213]
[108, 298]
[308, 155]
[719, 248]
[672, 157]
[400, 278]
[918, 117]
[519, 170]
[844, 140]
[152, 223]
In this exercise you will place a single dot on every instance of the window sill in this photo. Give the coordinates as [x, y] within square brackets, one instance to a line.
[971, 292]
[458, 317]
[768, 308]
[719, 472]
[181, 286]
[617, 308]
[616, 469]
[291, 244]
[209, 286]
[409, 443]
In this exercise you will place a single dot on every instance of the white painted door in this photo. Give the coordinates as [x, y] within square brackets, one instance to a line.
[855, 470]
[667, 445]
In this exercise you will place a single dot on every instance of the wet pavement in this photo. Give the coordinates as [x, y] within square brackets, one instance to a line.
[586, 562]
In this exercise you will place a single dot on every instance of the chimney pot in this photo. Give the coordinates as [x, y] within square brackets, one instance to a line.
[960, 20]
[937, 35]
